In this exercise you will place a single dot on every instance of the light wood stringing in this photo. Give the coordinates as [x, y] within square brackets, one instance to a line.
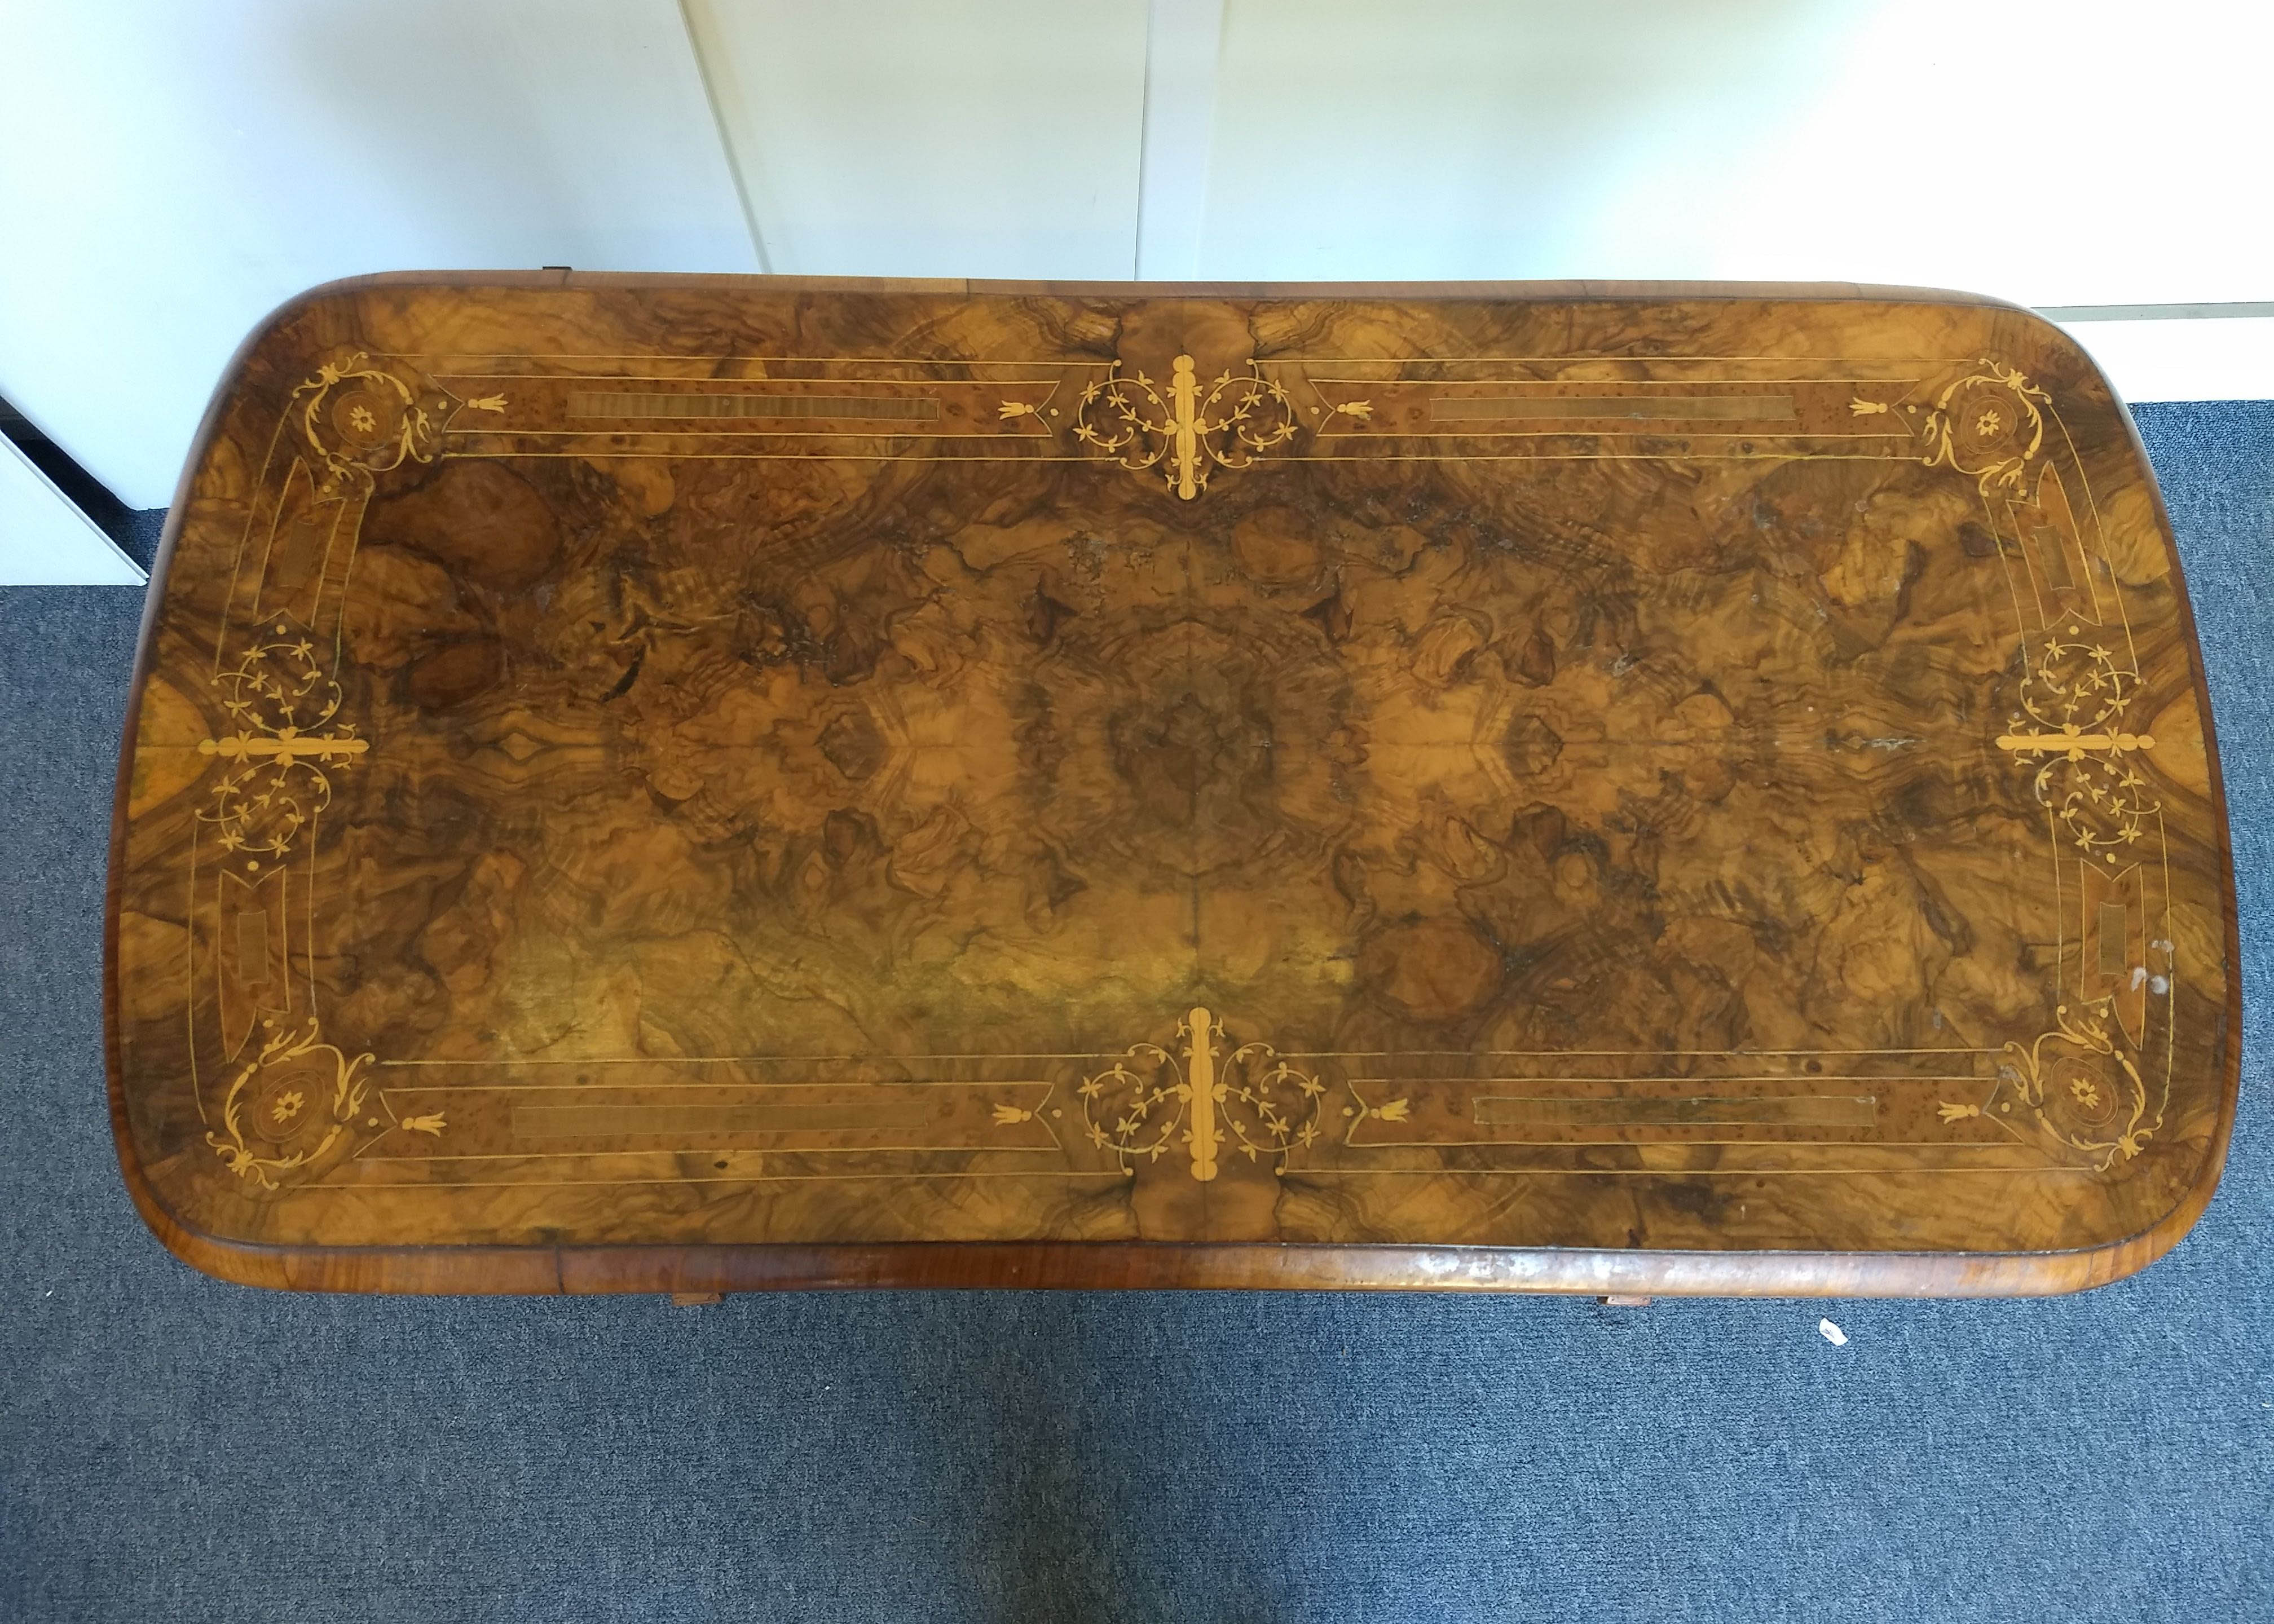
[682, 784]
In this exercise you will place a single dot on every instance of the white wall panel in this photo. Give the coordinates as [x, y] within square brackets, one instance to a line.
[934, 138]
[2183, 360]
[1184, 47]
[45, 540]
[2053, 152]
[174, 170]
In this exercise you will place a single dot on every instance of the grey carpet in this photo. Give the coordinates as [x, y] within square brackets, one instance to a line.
[174, 1449]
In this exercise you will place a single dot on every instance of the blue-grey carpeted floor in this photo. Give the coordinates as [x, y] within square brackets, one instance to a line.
[174, 1449]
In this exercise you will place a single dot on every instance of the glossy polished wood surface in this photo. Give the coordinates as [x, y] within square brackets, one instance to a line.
[686, 784]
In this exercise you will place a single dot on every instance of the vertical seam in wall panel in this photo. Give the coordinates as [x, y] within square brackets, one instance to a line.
[1148, 149]
[726, 141]
[1144, 147]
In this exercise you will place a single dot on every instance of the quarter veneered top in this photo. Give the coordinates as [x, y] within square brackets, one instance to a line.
[720, 762]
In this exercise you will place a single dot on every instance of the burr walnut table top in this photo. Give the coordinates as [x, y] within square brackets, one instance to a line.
[699, 783]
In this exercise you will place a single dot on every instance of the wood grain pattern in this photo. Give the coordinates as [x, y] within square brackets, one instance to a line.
[690, 784]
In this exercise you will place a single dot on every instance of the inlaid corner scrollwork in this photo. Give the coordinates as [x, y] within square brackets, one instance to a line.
[361, 419]
[1987, 425]
[297, 1103]
[2076, 1085]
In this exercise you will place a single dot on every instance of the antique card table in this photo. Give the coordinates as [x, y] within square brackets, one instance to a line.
[696, 784]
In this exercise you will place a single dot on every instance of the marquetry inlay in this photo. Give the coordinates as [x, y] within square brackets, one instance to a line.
[783, 767]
